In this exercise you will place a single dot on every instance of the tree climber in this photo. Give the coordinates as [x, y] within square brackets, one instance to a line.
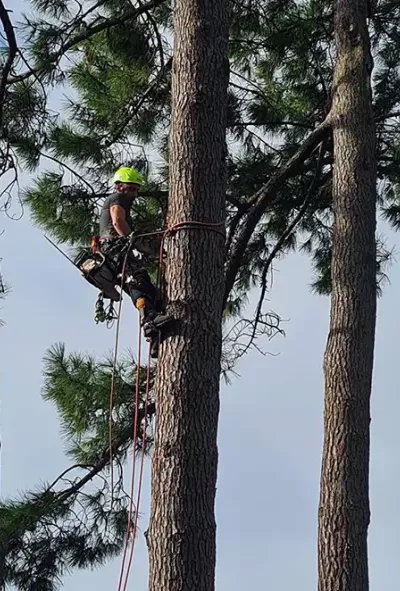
[115, 233]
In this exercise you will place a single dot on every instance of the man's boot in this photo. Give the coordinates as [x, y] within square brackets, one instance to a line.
[154, 347]
[152, 322]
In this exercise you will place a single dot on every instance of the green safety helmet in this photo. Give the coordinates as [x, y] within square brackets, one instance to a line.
[128, 175]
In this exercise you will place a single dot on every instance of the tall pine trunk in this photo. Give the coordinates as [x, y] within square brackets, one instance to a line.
[182, 532]
[344, 497]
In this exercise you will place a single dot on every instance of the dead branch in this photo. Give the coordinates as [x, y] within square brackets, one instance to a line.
[243, 335]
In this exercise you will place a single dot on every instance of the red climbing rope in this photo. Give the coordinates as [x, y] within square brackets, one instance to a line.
[143, 454]
[134, 440]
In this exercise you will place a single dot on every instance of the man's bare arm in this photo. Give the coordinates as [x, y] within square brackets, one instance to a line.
[119, 222]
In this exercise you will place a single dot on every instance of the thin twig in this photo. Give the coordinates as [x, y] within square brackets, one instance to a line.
[71, 170]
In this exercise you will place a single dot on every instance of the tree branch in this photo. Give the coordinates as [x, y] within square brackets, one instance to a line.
[105, 457]
[280, 243]
[264, 196]
[269, 123]
[52, 499]
[135, 108]
[12, 52]
[105, 24]
[393, 115]
[242, 206]
[71, 170]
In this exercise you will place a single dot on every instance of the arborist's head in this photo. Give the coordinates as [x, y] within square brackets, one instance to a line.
[128, 181]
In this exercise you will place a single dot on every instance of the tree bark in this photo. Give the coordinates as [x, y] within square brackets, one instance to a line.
[182, 531]
[344, 497]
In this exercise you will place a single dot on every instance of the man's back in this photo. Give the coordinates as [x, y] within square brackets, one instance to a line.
[106, 228]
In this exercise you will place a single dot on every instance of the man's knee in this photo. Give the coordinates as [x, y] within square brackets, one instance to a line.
[142, 287]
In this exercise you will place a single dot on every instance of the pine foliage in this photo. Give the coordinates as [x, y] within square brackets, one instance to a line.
[113, 60]
[118, 69]
[71, 523]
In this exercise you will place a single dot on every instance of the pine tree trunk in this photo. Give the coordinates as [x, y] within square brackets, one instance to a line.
[344, 497]
[182, 532]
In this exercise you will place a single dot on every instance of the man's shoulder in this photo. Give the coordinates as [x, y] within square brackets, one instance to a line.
[113, 199]
[118, 199]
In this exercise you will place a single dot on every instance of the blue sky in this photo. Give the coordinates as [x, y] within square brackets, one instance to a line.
[270, 435]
